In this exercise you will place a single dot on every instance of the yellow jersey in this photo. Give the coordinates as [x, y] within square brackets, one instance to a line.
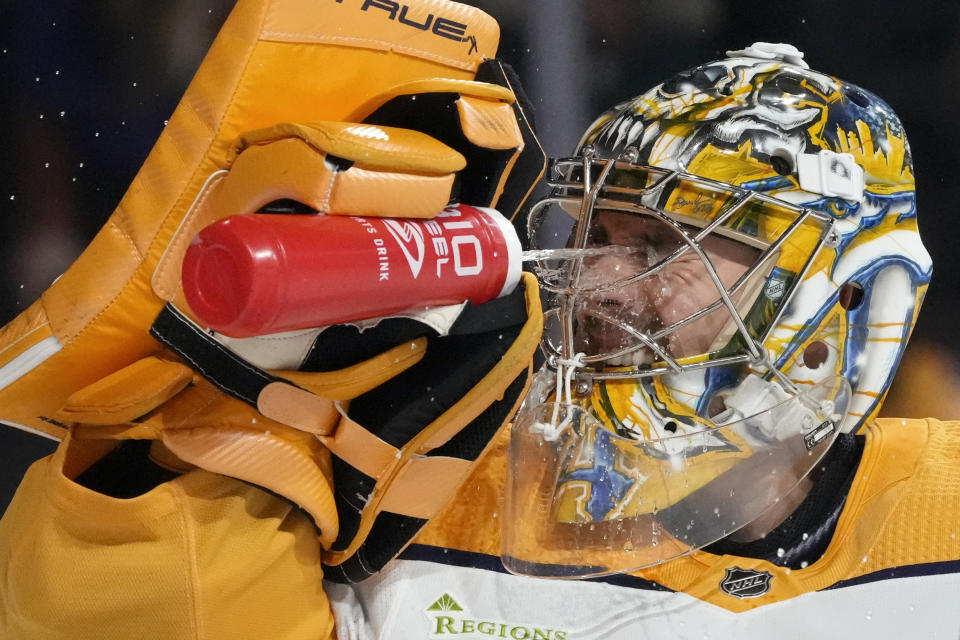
[200, 557]
[891, 569]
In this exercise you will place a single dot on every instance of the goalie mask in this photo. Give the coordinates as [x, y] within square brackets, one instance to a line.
[742, 273]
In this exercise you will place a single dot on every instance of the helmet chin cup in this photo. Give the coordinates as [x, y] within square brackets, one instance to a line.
[584, 501]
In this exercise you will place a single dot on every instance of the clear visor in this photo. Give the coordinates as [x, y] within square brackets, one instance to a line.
[660, 267]
[582, 501]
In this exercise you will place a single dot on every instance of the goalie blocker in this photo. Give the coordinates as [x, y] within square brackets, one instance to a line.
[396, 414]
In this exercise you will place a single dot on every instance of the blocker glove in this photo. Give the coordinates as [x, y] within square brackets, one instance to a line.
[322, 108]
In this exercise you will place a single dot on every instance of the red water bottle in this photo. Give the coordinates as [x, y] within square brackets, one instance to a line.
[256, 274]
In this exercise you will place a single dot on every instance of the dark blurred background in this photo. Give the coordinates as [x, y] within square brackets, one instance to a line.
[88, 87]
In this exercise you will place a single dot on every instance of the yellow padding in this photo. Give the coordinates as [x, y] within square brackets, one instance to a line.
[370, 146]
[435, 85]
[350, 382]
[297, 469]
[458, 36]
[128, 393]
[358, 192]
[489, 124]
[24, 331]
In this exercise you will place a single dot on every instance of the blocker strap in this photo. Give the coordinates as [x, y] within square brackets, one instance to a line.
[420, 486]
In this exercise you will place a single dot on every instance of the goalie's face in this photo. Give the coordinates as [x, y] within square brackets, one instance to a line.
[667, 282]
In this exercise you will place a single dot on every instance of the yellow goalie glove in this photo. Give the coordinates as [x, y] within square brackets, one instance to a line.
[343, 108]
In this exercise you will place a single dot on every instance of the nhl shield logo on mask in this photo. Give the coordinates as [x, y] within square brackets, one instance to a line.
[745, 583]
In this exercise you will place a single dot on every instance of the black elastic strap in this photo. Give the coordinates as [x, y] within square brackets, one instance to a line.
[223, 368]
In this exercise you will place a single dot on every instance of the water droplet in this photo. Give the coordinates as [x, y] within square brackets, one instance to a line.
[781, 552]
[13, 197]
[134, 84]
[63, 113]
[805, 536]
[716, 511]
[804, 564]
[863, 559]
[46, 165]
[81, 165]
[869, 615]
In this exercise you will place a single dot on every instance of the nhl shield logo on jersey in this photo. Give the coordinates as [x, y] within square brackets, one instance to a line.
[745, 583]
